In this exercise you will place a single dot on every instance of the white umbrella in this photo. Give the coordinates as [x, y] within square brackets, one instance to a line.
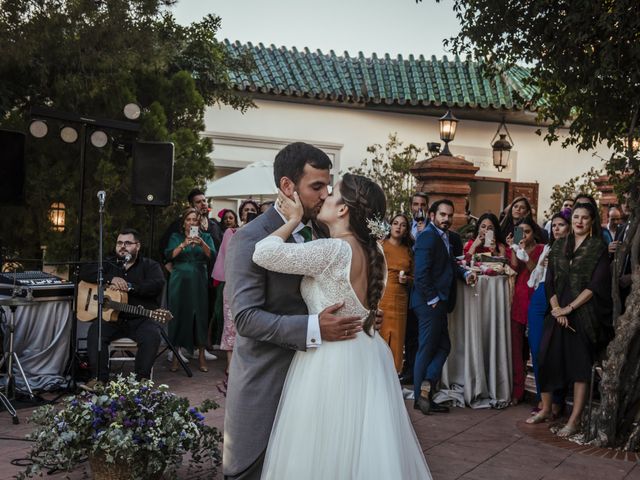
[255, 180]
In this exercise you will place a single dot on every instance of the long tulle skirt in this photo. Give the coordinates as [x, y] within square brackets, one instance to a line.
[342, 416]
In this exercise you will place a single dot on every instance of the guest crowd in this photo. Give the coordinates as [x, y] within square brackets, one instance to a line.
[560, 303]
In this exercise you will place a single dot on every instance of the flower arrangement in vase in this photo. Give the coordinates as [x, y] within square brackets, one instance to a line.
[128, 429]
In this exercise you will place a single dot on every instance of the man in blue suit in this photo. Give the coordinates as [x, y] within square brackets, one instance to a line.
[434, 296]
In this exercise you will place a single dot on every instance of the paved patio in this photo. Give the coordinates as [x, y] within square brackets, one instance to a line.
[465, 444]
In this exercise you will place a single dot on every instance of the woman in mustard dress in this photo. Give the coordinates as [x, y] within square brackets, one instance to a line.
[399, 255]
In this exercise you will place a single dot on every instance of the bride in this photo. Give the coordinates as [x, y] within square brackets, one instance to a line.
[341, 414]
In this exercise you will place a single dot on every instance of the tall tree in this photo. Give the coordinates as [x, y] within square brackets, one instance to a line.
[584, 66]
[92, 58]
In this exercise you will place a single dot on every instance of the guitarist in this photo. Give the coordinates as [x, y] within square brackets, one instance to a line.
[143, 280]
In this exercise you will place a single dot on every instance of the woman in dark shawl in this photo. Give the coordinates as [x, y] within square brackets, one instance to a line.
[578, 326]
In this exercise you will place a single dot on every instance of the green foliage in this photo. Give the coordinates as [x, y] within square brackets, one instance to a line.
[92, 58]
[581, 184]
[389, 166]
[127, 422]
[583, 66]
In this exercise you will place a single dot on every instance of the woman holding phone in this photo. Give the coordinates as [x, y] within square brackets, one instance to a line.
[524, 259]
[189, 251]
[515, 214]
[487, 238]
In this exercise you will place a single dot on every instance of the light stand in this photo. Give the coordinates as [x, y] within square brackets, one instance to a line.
[101, 198]
[39, 129]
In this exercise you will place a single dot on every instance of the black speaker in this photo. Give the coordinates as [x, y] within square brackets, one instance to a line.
[152, 177]
[12, 167]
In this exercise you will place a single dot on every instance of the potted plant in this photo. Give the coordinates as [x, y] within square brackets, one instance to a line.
[128, 429]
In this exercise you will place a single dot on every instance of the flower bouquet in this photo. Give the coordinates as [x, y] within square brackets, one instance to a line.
[127, 429]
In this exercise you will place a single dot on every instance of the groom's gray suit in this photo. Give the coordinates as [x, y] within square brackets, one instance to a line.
[271, 321]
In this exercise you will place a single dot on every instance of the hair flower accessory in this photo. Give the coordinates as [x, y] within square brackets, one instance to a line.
[378, 228]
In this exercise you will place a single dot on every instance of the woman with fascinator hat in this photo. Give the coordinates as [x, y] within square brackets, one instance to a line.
[341, 414]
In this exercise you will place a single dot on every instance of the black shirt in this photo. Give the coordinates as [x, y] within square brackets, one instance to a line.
[145, 278]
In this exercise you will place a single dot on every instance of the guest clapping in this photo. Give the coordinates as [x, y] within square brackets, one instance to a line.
[579, 325]
[523, 260]
[189, 251]
[497, 246]
[398, 251]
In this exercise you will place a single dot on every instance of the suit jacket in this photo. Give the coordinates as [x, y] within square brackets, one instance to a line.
[435, 270]
[271, 322]
[456, 244]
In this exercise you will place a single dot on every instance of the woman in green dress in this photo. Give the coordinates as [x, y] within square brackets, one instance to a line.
[189, 254]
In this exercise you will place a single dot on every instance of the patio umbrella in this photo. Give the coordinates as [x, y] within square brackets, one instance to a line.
[255, 180]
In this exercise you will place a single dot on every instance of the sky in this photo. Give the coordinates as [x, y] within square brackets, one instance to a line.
[371, 26]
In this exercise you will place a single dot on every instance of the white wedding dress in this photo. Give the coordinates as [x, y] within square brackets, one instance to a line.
[341, 415]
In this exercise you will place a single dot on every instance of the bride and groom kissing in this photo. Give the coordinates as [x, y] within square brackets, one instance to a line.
[312, 391]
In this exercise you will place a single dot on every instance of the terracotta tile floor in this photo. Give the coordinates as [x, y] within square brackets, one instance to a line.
[465, 444]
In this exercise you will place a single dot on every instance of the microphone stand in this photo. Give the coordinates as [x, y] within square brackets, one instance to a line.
[101, 198]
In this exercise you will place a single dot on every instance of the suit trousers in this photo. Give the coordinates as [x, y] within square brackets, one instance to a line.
[143, 331]
[253, 472]
[434, 344]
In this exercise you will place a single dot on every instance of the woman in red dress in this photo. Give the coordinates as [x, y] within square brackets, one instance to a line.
[524, 259]
[487, 222]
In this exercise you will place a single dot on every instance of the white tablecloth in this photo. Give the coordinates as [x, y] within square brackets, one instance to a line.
[478, 371]
[42, 342]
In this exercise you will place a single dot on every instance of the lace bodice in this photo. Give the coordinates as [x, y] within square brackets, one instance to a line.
[325, 264]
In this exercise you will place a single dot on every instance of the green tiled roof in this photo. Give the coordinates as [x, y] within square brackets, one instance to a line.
[379, 80]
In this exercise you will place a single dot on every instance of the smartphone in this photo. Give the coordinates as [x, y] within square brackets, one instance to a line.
[488, 238]
[518, 235]
[194, 231]
[251, 216]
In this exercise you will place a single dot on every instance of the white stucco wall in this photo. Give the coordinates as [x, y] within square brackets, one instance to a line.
[346, 132]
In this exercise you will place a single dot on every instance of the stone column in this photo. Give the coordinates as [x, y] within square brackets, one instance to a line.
[449, 177]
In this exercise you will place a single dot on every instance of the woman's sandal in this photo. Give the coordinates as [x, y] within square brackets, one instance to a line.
[203, 369]
[538, 418]
[567, 431]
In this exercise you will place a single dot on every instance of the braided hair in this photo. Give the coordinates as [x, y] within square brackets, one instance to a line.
[366, 200]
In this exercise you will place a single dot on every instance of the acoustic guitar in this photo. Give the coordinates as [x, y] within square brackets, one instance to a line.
[115, 302]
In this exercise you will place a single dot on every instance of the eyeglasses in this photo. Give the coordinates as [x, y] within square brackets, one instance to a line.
[125, 243]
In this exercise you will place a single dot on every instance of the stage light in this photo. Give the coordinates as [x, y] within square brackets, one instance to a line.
[38, 128]
[132, 111]
[68, 134]
[99, 139]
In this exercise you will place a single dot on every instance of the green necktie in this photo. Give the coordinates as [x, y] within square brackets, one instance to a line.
[306, 233]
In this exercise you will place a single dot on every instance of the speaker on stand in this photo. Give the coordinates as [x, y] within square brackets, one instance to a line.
[152, 178]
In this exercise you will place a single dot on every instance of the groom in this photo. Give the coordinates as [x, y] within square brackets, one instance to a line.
[271, 317]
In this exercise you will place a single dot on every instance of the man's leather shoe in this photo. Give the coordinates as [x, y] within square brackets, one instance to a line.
[437, 408]
[423, 405]
[406, 379]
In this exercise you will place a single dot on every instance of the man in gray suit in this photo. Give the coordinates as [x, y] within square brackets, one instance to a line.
[271, 317]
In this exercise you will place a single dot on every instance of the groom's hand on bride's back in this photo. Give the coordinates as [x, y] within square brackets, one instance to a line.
[334, 327]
